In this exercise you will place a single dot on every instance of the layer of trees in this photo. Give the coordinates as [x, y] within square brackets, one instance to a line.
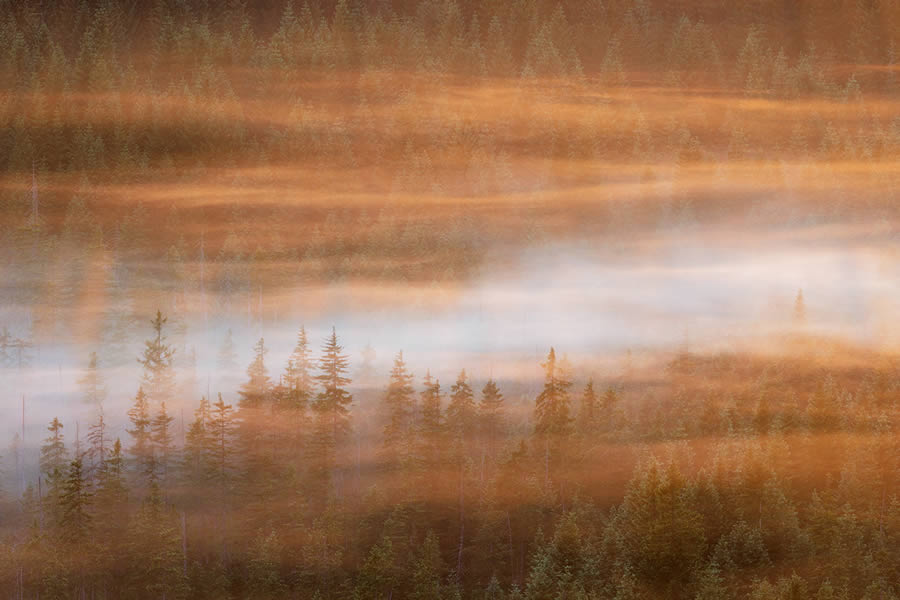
[106, 102]
[718, 476]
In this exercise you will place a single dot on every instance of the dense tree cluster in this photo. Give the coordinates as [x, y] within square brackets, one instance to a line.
[726, 476]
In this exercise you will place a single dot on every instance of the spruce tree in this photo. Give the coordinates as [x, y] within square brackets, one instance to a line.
[53, 463]
[163, 441]
[552, 416]
[74, 500]
[431, 425]
[98, 442]
[399, 409]
[490, 414]
[461, 423]
[299, 376]
[553, 422]
[53, 452]
[153, 554]
[461, 412]
[141, 433]
[218, 441]
[254, 391]
[256, 436]
[158, 377]
[293, 399]
[331, 406]
[195, 460]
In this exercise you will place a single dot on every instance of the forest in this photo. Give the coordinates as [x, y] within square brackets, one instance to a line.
[449, 299]
[714, 476]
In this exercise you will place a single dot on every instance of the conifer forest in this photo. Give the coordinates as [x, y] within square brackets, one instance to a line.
[449, 299]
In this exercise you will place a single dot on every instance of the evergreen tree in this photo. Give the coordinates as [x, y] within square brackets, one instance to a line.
[163, 441]
[293, 399]
[490, 416]
[461, 415]
[195, 460]
[112, 493]
[552, 406]
[53, 452]
[553, 422]
[53, 461]
[153, 555]
[399, 410]
[331, 406]
[218, 441]
[264, 577]
[427, 571]
[254, 392]
[141, 433]
[299, 376]
[98, 442]
[158, 377]
[75, 520]
[431, 425]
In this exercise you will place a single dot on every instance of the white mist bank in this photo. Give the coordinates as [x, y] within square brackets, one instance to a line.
[590, 305]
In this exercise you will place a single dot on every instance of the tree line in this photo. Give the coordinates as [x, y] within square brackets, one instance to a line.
[431, 491]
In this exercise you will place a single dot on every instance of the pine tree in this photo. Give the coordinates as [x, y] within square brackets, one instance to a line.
[431, 429]
[98, 443]
[264, 577]
[379, 577]
[257, 438]
[490, 415]
[163, 441]
[219, 453]
[218, 441]
[74, 499]
[195, 460]
[153, 556]
[142, 436]
[331, 406]
[158, 377]
[552, 406]
[293, 399]
[299, 377]
[254, 391]
[399, 410]
[53, 452]
[110, 515]
[53, 463]
[427, 571]
[461, 423]
[461, 411]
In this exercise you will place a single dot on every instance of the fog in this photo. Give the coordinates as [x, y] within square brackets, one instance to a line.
[707, 290]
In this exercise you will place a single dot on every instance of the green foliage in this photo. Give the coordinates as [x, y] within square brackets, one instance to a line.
[660, 529]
